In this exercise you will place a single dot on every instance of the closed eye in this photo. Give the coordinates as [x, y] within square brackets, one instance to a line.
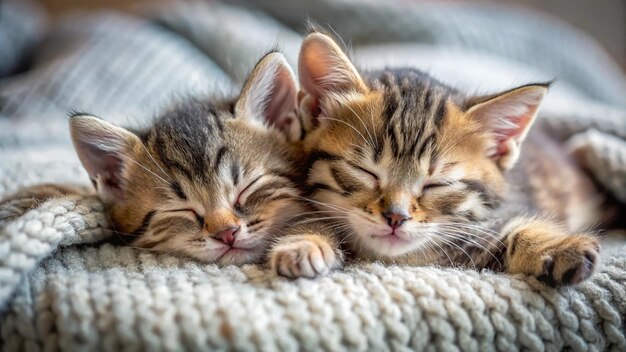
[238, 200]
[370, 173]
[434, 185]
[199, 218]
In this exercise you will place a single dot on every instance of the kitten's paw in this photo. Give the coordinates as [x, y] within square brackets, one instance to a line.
[307, 257]
[565, 260]
[571, 262]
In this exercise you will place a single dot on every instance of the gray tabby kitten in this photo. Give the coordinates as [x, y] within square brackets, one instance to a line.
[213, 180]
[407, 170]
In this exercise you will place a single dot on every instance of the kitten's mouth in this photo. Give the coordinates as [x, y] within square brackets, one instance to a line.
[234, 251]
[233, 254]
[392, 238]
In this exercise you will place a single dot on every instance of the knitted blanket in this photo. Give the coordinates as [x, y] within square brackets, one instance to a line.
[59, 289]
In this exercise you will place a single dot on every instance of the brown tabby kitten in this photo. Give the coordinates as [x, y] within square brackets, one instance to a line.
[405, 169]
[211, 180]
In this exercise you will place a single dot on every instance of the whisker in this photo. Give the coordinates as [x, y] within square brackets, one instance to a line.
[306, 221]
[309, 213]
[456, 236]
[154, 161]
[451, 243]
[444, 252]
[493, 234]
[465, 232]
[349, 125]
[332, 206]
[146, 169]
[371, 139]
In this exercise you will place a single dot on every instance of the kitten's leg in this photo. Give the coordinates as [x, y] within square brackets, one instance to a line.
[548, 252]
[27, 198]
[307, 251]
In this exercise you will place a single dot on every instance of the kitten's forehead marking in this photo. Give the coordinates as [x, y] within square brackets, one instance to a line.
[414, 107]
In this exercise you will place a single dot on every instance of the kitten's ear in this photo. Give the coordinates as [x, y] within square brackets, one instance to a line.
[104, 150]
[324, 68]
[270, 96]
[508, 117]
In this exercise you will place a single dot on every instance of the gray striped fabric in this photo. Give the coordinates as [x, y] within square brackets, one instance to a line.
[59, 292]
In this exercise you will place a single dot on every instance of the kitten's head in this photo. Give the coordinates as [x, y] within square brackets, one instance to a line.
[395, 155]
[208, 180]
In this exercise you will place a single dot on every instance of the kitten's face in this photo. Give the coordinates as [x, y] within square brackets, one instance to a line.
[397, 157]
[219, 197]
[207, 180]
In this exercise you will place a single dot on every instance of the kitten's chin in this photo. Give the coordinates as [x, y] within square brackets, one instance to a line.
[379, 241]
[230, 256]
[389, 245]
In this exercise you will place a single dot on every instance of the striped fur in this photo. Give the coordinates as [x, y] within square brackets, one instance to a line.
[199, 170]
[398, 144]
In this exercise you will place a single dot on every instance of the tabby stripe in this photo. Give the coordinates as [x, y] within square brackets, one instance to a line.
[424, 97]
[427, 144]
[378, 151]
[270, 186]
[234, 173]
[144, 225]
[219, 157]
[279, 196]
[199, 165]
[178, 190]
[180, 168]
[257, 225]
[153, 243]
[264, 193]
[320, 155]
[411, 150]
[340, 178]
[440, 111]
[393, 141]
[279, 173]
[489, 198]
[159, 145]
[320, 186]
[447, 205]
[254, 222]
[390, 107]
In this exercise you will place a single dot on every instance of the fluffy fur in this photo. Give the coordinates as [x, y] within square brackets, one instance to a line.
[405, 169]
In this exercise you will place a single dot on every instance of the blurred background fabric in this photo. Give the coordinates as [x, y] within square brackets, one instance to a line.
[58, 292]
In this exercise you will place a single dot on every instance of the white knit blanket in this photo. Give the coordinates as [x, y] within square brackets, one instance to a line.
[59, 290]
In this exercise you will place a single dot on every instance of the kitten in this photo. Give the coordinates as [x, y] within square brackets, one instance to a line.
[212, 180]
[405, 169]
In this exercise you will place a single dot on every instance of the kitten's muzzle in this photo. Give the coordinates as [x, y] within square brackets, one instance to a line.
[396, 217]
[227, 235]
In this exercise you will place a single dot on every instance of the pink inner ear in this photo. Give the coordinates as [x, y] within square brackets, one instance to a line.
[281, 102]
[324, 68]
[101, 164]
[504, 134]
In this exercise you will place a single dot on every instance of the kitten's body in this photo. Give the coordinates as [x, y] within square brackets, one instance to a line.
[213, 179]
[545, 182]
[405, 169]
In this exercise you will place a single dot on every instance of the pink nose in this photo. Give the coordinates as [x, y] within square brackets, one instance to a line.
[395, 219]
[228, 235]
